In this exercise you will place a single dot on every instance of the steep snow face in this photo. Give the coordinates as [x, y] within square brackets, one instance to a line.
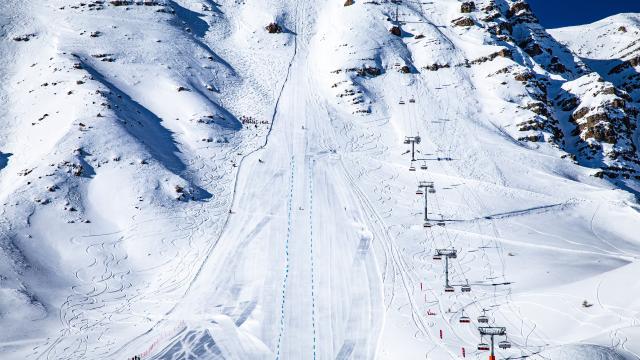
[195, 179]
[607, 125]
[612, 38]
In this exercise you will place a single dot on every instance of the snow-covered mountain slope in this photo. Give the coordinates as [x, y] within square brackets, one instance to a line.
[189, 179]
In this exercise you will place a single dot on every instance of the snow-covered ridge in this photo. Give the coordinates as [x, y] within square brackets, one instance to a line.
[200, 179]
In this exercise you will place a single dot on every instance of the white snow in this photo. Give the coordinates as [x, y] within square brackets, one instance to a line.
[189, 234]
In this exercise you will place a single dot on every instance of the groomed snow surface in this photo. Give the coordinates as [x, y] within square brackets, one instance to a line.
[202, 189]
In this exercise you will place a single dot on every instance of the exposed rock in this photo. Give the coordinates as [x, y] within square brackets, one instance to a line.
[524, 76]
[273, 28]
[538, 108]
[519, 6]
[368, 70]
[556, 66]
[463, 21]
[467, 7]
[506, 53]
[395, 30]
[25, 37]
[436, 67]
[633, 62]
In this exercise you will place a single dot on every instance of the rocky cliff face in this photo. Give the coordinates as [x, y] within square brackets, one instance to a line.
[582, 89]
[604, 104]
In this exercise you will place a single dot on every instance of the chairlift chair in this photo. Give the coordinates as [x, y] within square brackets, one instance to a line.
[407, 141]
[427, 225]
[437, 257]
[440, 223]
[464, 319]
[419, 192]
[483, 319]
[449, 289]
[412, 100]
[432, 191]
[465, 288]
[504, 344]
[401, 102]
[423, 167]
[483, 347]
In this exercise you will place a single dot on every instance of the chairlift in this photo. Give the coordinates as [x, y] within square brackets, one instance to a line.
[483, 319]
[464, 319]
[465, 288]
[419, 192]
[449, 289]
[504, 344]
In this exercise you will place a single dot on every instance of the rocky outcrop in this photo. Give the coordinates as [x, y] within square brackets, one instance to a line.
[273, 28]
[463, 21]
[467, 7]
